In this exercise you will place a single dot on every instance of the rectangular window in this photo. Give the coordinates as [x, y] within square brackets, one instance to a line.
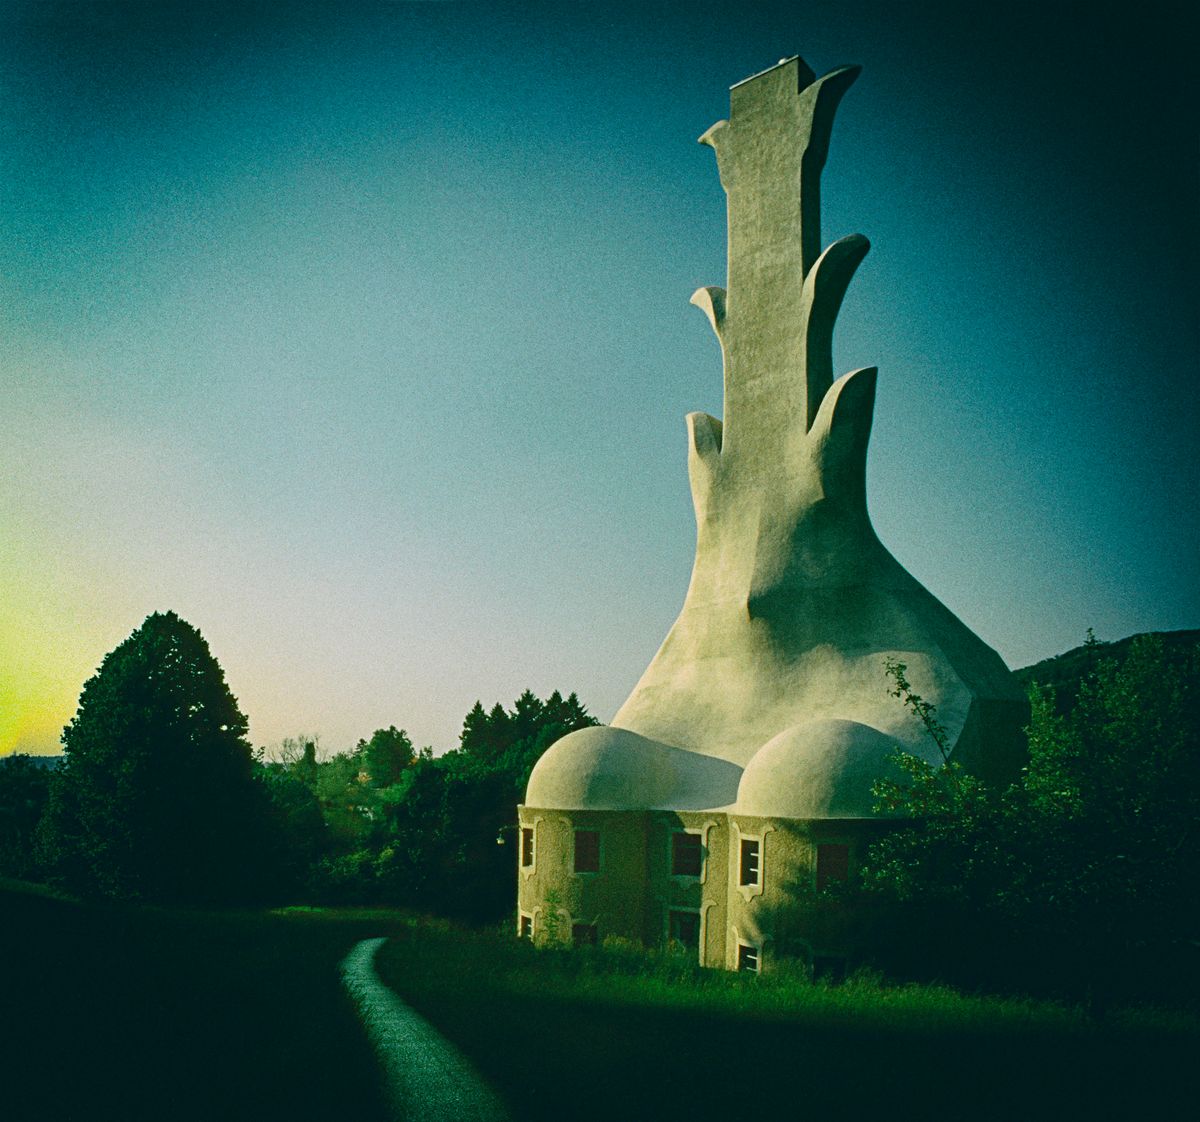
[526, 929]
[749, 861]
[587, 851]
[583, 934]
[526, 847]
[833, 864]
[685, 855]
[747, 958]
[684, 928]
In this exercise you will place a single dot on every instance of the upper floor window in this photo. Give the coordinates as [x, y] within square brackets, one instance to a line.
[833, 864]
[750, 862]
[686, 854]
[526, 846]
[587, 851]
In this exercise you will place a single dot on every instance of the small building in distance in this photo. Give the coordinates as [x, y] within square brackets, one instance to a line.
[737, 776]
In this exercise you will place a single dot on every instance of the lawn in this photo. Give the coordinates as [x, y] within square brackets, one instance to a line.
[133, 1014]
[143, 1013]
[623, 1035]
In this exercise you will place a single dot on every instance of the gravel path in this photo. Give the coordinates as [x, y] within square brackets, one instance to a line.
[426, 1076]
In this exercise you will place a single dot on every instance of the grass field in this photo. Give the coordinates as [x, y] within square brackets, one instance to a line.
[137, 1014]
[591, 1035]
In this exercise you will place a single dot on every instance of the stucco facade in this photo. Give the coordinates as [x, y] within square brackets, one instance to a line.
[766, 716]
[639, 893]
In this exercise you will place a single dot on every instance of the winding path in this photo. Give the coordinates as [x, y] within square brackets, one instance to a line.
[426, 1076]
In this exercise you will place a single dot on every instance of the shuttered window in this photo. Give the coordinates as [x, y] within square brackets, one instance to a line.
[587, 851]
[833, 864]
[747, 958]
[686, 855]
[750, 856]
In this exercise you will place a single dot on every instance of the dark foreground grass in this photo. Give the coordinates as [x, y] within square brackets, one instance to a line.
[137, 1014]
[591, 1035]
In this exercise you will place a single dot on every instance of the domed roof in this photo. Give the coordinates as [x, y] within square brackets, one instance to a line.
[821, 769]
[605, 768]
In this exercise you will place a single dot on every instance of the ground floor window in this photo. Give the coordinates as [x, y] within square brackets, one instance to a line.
[747, 958]
[525, 927]
[584, 934]
[833, 864]
[686, 854]
[587, 851]
[684, 928]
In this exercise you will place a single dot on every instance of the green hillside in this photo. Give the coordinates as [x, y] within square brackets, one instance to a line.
[1064, 672]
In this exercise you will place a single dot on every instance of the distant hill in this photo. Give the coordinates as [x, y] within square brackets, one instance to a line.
[1065, 671]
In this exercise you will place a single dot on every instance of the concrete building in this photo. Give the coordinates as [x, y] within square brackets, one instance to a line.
[737, 776]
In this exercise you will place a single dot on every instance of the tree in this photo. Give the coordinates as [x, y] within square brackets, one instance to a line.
[297, 755]
[24, 790]
[385, 756]
[1090, 857]
[157, 797]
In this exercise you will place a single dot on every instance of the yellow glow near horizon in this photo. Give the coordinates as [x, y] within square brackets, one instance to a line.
[48, 649]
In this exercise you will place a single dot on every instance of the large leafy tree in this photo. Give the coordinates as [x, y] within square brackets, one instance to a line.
[157, 797]
[1093, 851]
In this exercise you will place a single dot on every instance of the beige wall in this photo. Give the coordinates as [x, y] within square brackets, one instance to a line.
[614, 898]
[634, 892]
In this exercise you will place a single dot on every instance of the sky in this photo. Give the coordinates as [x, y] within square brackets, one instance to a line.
[361, 338]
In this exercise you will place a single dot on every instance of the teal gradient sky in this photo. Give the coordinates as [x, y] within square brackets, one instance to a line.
[362, 340]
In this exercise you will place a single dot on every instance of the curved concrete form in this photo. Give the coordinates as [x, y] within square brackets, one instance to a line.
[769, 698]
[823, 769]
[613, 769]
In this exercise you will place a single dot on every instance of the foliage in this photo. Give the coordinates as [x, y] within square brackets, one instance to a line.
[1092, 853]
[385, 756]
[157, 798]
[297, 828]
[421, 830]
[924, 711]
[24, 791]
[160, 797]
[941, 854]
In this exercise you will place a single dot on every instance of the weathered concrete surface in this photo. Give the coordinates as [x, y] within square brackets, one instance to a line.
[794, 603]
[426, 1076]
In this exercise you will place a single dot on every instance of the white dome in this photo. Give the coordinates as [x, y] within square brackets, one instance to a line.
[605, 768]
[822, 769]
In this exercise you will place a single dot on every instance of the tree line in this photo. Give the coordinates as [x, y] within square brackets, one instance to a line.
[160, 797]
[1081, 872]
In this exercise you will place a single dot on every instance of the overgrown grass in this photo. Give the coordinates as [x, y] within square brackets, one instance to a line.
[145, 1013]
[621, 1033]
